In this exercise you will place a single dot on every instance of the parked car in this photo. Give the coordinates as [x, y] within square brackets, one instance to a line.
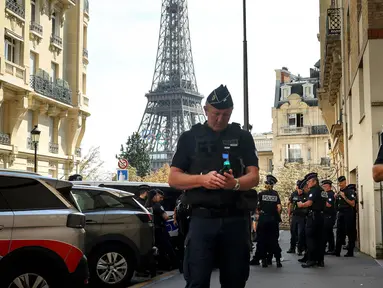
[41, 233]
[169, 202]
[119, 235]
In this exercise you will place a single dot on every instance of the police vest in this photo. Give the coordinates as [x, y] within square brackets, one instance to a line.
[208, 156]
[320, 198]
[299, 198]
[268, 205]
[342, 204]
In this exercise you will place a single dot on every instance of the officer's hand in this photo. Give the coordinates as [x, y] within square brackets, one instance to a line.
[299, 204]
[342, 194]
[213, 180]
[230, 181]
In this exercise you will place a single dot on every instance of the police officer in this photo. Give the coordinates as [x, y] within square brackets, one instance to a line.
[329, 217]
[346, 222]
[161, 235]
[316, 203]
[298, 221]
[75, 177]
[303, 186]
[142, 194]
[217, 223]
[268, 223]
[181, 218]
[377, 169]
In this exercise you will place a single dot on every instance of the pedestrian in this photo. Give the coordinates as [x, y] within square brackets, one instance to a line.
[142, 194]
[268, 224]
[329, 217]
[377, 170]
[346, 222]
[298, 220]
[216, 162]
[316, 203]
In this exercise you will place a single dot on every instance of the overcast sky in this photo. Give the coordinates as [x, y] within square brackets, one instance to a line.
[122, 44]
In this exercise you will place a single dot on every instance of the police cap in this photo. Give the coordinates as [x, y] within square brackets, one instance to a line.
[329, 182]
[303, 184]
[299, 183]
[220, 98]
[75, 177]
[311, 175]
[341, 179]
[271, 180]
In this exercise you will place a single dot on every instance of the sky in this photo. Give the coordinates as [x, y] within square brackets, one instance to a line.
[122, 45]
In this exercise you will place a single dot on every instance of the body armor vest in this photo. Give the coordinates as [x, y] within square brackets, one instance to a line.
[208, 156]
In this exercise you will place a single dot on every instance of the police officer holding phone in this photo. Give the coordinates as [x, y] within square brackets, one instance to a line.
[217, 164]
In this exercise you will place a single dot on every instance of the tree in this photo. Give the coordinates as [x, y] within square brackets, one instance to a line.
[132, 175]
[159, 176]
[91, 166]
[136, 152]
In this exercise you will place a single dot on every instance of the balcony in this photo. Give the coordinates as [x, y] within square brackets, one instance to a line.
[294, 160]
[325, 161]
[86, 7]
[5, 139]
[85, 56]
[36, 28]
[291, 130]
[14, 70]
[264, 145]
[78, 152]
[58, 90]
[332, 63]
[15, 7]
[319, 130]
[57, 41]
[53, 148]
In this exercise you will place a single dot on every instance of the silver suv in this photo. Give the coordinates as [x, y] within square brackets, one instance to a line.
[41, 233]
[119, 235]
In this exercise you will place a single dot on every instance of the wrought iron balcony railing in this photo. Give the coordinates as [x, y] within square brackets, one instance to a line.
[36, 27]
[57, 40]
[334, 21]
[78, 152]
[263, 145]
[85, 53]
[319, 130]
[58, 90]
[5, 139]
[53, 148]
[291, 130]
[86, 6]
[15, 7]
[294, 160]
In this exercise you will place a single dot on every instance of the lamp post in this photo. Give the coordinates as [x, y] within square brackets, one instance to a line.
[35, 137]
[245, 73]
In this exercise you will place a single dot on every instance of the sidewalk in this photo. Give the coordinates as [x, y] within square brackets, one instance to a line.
[340, 272]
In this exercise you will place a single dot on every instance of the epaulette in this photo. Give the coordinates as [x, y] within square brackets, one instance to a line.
[236, 125]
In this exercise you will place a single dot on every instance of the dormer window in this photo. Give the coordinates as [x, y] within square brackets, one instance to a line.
[308, 90]
[285, 92]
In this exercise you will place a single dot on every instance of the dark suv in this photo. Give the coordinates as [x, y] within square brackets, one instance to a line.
[119, 235]
[41, 233]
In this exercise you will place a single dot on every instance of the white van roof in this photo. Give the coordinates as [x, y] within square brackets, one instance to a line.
[118, 183]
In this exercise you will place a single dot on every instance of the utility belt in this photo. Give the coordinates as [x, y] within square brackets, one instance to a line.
[346, 210]
[204, 212]
[315, 213]
[299, 213]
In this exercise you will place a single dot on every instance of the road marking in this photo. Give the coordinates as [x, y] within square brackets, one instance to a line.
[156, 279]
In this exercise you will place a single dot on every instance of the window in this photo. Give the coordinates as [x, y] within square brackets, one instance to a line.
[2, 117]
[270, 168]
[293, 151]
[349, 102]
[51, 129]
[361, 92]
[53, 72]
[33, 11]
[30, 121]
[309, 154]
[110, 201]
[28, 194]
[84, 200]
[286, 91]
[308, 90]
[84, 83]
[3, 204]
[10, 49]
[295, 120]
[54, 23]
[32, 64]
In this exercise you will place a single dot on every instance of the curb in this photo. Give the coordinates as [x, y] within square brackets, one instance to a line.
[156, 279]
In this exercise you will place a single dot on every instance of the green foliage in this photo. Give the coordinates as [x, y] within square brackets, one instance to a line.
[136, 152]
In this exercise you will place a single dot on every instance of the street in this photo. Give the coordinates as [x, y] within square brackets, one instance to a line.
[340, 272]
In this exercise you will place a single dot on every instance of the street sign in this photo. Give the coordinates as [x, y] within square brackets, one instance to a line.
[123, 164]
[122, 175]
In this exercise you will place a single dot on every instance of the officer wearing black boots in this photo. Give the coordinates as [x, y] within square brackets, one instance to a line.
[268, 223]
[329, 217]
[346, 223]
[217, 164]
[316, 203]
[298, 221]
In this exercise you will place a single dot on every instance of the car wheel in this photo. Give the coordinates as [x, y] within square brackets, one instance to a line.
[111, 266]
[30, 275]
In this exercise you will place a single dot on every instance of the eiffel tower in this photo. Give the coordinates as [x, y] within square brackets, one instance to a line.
[174, 103]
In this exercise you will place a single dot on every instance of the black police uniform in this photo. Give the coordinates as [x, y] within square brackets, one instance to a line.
[218, 224]
[298, 222]
[301, 186]
[162, 238]
[268, 223]
[379, 158]
[329, 219]
[183, 214]
[346, 223]
[314, 225]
